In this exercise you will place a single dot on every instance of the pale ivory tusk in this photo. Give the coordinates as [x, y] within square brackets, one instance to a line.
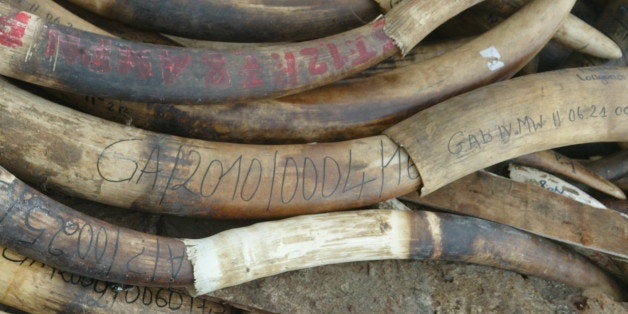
[77, 61]
[544, 213]
[583, 38]
[500, 121]
[128, 167]
[362, 108]
[562, 165]
[34, 225]
[573, 33]
[33, 287]
[611, 22]
[551, 183]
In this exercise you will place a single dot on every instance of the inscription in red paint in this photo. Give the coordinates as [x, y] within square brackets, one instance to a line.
[286, 75]
[172, 66]
[97, 58]
[139, 60]
[251, 72]
[217, 73]
[12, 29]
[64, 46]
[364, 54]
[389, 44]
[339, 60]
[315, 67]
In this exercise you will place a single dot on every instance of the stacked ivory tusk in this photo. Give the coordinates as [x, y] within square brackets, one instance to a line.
[348, 110]
[121, 166]
[45, 54]
[37, 226]
[392, 144]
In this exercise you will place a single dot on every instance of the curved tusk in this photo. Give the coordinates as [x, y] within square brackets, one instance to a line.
[562, 165]
[551, 183]
[535, 210]
[611, 22]
[128, 167]
[351, 110]
[574, 33]
[611, 167]
[247, 21]
[55, 13]
[242, 21]
[489, 125]
[34, 225]
[583, 38]
[33, 287]
[63, 58]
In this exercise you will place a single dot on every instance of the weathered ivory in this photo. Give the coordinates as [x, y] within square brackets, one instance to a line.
[55, 13]
[34, 225]
[530, 208]
[33, 287]
[501, 121]
[128, 167]
[352, 109]
[611, 167]
[241, 21]
[573, 33]
[551, 183]
[63, 58]
[571, 169]
[578, 35]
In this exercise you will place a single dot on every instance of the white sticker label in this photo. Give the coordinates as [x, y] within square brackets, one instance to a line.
[494, 57]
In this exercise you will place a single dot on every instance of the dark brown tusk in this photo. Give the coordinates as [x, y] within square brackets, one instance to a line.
[569, 168]
[612, 167]
[36, 226]
[71, 60]
[533, 209]
[243, 21]
[132, 168]
[349, 110]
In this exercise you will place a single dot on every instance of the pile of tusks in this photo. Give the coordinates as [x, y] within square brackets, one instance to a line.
[317, 117]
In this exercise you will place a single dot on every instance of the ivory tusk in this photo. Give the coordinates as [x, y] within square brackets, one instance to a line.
[611, 22]
[487, 126]
[55, 13]
[534, 210]
[583, 38]
[60, 15]
[243, 21]
[249, 22]
[611, 167]
[556, 163]
[71, 60]
[36, 226]
[574, 33]
[33, 287]
[552, 183]
[361, 108]
[128, 167]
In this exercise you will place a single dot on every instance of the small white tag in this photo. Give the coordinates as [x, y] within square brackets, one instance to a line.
[493, 54]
